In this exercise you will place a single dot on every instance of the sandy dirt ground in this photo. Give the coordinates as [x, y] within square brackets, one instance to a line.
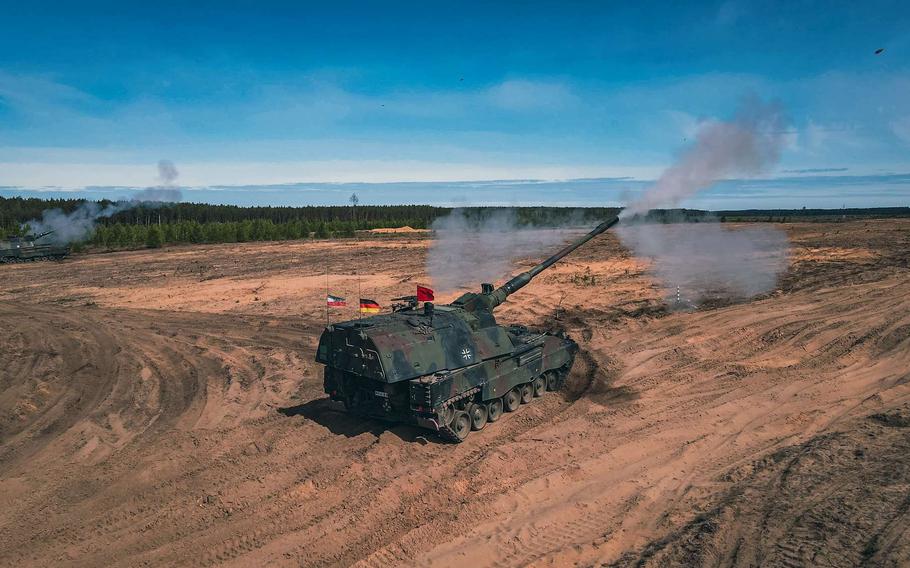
[163, 408]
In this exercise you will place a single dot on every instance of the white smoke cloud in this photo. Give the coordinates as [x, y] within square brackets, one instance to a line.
[79, 223]
[706, 258]
[468, 251]
[710, 259]
[747, 145]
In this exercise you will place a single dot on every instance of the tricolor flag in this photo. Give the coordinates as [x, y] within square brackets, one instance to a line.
[335, 301]
[369, 306]
[424, 294]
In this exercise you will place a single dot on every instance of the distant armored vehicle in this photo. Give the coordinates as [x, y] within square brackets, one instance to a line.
[28, 247]
[448, 368]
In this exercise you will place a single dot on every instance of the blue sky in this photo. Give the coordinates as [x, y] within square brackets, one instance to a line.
[267, 102]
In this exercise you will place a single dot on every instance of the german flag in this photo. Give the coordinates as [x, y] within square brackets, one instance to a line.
[369, 306]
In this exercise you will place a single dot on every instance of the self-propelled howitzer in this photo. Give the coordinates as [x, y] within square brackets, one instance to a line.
[27, 248]
[448, 368]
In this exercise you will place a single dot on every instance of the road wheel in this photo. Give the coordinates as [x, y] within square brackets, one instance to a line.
[494, 409]
[478, 413]
[540, 386]
[511, 400]
[461, 425]
[446, 415]
[552, 380]
[527, 393]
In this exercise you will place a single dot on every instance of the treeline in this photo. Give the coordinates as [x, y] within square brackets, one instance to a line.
[16, 211]
[151, 233]
[171, 223]
[202, 222]
[804, 214]
[535, 216]
[771, 215]
[125, 235]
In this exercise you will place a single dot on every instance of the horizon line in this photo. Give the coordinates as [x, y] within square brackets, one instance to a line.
[504, 181]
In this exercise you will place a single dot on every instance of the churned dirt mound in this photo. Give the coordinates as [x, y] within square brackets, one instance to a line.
[163, 408]
[397, 230]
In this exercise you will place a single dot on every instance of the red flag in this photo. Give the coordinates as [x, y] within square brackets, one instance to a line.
[424, 294]
[334, 301]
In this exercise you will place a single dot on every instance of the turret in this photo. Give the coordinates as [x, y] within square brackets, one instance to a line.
[490, 298]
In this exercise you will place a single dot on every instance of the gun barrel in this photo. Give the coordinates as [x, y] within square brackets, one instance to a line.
[500, 294]
[44, 234]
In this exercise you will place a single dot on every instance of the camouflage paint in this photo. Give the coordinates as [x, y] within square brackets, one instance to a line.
[24, 249]
[418, 365]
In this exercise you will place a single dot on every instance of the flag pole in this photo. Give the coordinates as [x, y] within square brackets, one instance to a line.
[359, 311]
[327, 293]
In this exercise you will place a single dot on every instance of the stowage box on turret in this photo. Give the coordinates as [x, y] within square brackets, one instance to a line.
[448, 368]
[27, 248]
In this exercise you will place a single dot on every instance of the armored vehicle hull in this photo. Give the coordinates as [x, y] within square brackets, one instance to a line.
[451, 380]
[448, 368]
[27, 249]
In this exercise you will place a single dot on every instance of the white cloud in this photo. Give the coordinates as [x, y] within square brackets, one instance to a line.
[901, 128]
[816, 137]
[316, 129]
[36, 92]
[522, 95]
[200, 174]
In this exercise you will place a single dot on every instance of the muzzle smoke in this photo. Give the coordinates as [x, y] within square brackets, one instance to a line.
[79, 224]
[747, 145]
[706, 259]
[470, 250]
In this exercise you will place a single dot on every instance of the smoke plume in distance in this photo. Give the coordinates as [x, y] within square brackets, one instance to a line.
[79, 223]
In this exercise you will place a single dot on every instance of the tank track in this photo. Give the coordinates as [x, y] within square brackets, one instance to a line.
[466, 394]
[445, 431]
[12, 260]
[447, 434]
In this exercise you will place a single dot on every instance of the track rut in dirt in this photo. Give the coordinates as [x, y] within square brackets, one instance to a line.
[169, 436]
